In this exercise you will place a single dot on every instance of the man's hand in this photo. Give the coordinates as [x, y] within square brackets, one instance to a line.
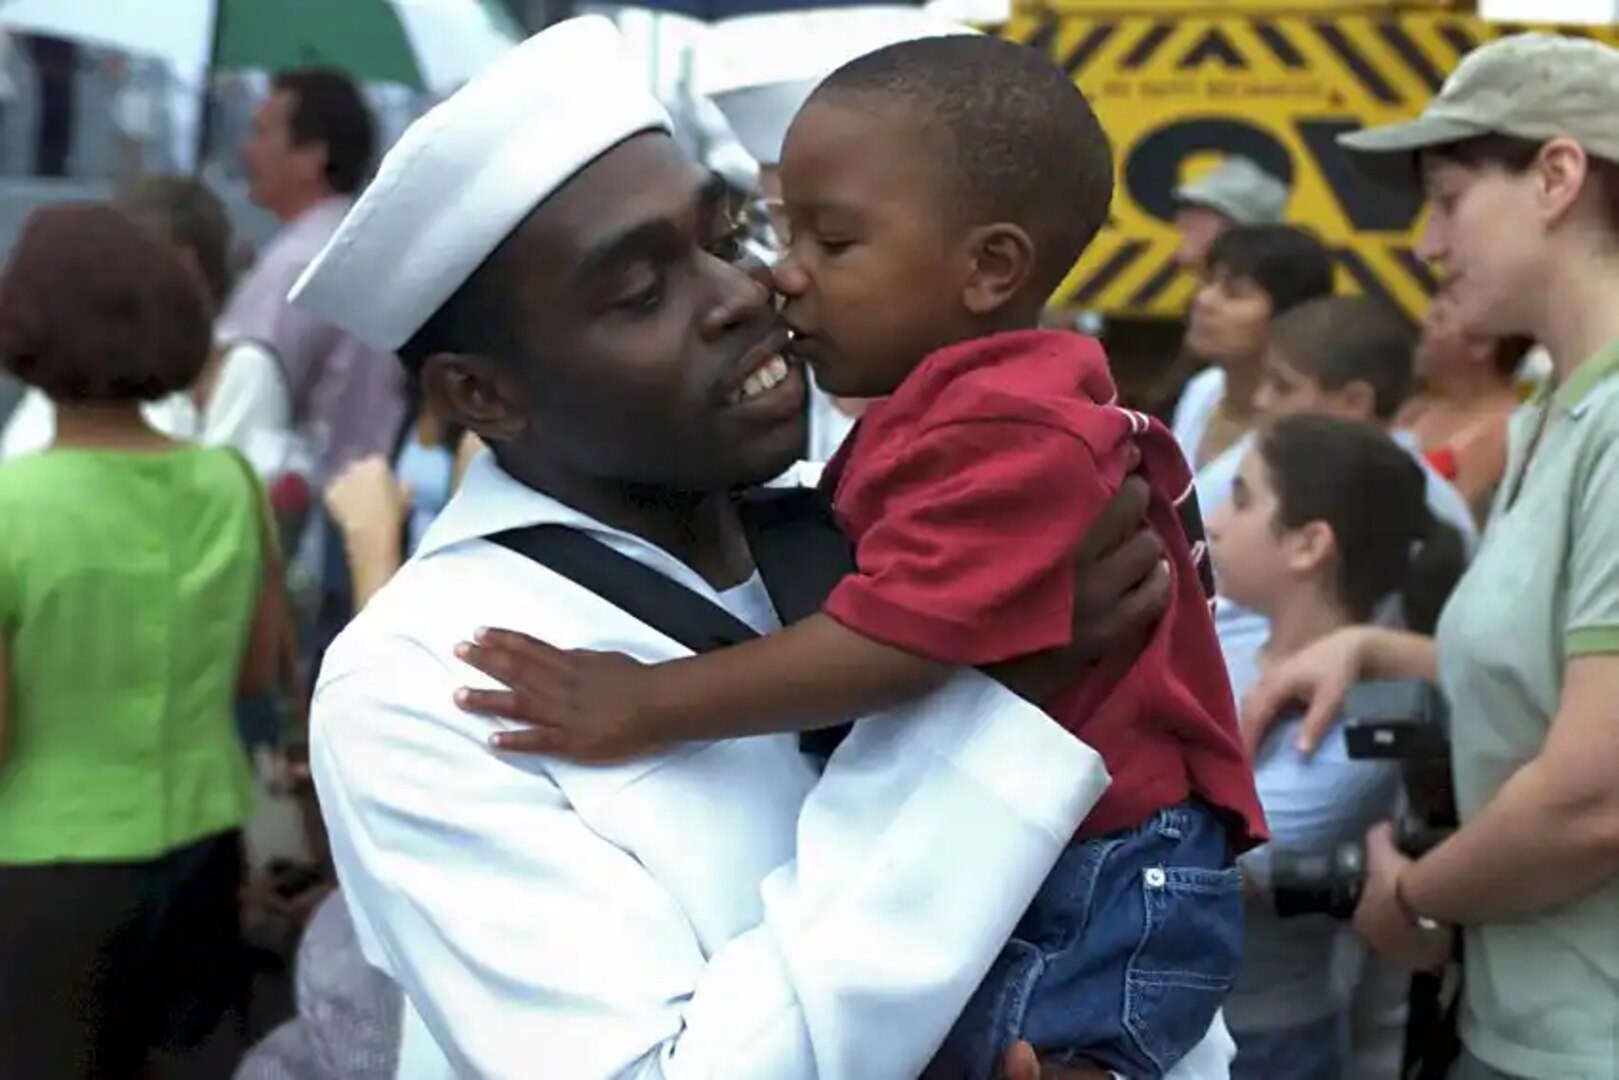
[1020, 1063]
[582, 706]
[1121, 590]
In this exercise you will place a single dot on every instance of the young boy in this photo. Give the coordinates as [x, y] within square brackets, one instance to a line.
[935, 194]
[1351, 357]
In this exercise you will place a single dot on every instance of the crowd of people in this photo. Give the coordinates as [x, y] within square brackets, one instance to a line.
[419, 521]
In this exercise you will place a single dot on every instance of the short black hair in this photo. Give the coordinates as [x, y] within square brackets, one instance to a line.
[1288, 263]
[476, 319]
[1018, 141]
[1337, 340]
[97, 308]
[327, 108]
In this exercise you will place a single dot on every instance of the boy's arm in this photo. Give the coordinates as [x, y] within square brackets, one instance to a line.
[604, 707]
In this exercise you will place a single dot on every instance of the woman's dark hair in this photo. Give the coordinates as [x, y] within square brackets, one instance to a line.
[95, 308]
[190, 215]
[1374, 497]
[1338, 340]
[1290, 264]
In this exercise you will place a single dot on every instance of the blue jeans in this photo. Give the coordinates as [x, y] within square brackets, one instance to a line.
[1122, 960]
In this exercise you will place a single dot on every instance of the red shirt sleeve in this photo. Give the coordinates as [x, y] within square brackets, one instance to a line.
[965, 537]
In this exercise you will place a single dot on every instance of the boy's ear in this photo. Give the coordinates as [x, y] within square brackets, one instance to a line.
[1001, 261]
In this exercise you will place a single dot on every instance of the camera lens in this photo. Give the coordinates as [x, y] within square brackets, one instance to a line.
[1313, 884]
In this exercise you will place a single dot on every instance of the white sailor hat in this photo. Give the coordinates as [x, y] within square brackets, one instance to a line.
[464, 176]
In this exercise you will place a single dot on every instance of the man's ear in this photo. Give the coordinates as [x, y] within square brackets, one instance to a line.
[1001, 260]
[478, 393]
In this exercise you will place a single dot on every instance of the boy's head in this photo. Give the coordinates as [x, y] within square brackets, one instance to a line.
[1344, 356]
[934, 191]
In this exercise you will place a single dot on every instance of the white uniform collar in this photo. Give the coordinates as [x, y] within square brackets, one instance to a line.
[490, 500]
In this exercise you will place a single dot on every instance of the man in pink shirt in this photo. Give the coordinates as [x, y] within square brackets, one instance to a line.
[309, 154]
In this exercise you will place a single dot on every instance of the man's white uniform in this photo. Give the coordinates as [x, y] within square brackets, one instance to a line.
[718, 911]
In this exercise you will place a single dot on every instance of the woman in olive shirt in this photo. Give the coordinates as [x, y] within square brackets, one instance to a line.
[133, 609]
[1519, 155]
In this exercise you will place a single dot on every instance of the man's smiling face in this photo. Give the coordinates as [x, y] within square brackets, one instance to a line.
[645, 345]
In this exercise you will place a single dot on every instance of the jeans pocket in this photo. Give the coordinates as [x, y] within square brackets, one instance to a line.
[1187, 960]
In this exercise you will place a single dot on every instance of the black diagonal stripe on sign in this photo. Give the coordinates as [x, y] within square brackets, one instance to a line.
[1155, 285]
[1369, 283]
[1149, 44]
[1286, 53]
[1043, 37]
[1454, 31]
[1214, 45]
[1076, 59]
[1419, 270]
[1116, 264]
[1413, 57]
[1362, 70]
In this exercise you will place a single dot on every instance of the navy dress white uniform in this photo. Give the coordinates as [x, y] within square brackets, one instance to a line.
[717, 911]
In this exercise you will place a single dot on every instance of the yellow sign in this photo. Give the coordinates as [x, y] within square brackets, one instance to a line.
[1175, 92]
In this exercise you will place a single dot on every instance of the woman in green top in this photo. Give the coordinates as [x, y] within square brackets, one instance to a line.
[1519, 157]
[133, 610]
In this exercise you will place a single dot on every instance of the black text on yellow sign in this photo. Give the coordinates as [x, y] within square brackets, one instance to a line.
[1177, 93]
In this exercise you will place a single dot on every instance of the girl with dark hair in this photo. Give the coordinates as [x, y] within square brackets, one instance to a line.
[1297, 544]
[139, 594]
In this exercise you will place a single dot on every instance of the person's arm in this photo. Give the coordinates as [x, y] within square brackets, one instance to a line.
[505, 896]
[5, 694]
[1318, 676]
[939, 584]
[265, 660]
[368, 505]
[1551, 835]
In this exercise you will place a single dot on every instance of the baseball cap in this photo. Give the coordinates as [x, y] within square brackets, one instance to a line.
[1533, 86]
[1239, 189]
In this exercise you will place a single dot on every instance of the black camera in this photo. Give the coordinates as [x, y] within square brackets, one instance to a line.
[1405, 721]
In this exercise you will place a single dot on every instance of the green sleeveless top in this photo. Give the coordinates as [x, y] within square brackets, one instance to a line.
[128, 583]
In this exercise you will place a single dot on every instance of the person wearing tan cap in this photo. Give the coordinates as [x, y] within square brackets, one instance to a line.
[1235, 192]
[1519, 157]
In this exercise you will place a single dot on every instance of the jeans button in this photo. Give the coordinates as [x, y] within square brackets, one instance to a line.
[1156, 878]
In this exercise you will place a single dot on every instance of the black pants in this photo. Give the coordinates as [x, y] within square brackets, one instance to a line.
[103, 963]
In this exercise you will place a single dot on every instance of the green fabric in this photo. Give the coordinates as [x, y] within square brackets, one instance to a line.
[364, 38]
[1544, 588]
[128, 583]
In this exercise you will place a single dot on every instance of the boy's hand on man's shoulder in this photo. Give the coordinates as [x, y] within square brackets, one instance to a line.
[576, 705]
